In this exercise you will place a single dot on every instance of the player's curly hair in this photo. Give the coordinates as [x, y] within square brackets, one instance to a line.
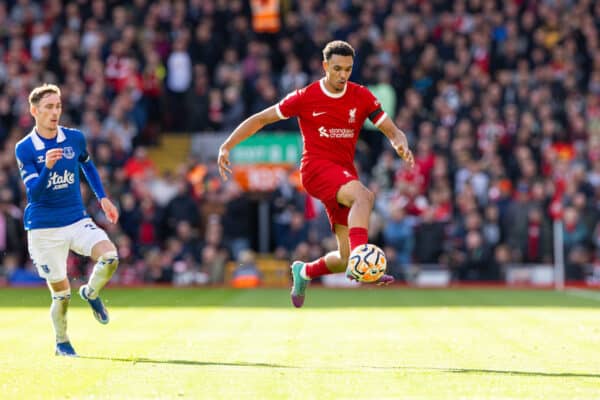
[39, 92]
[338, 47]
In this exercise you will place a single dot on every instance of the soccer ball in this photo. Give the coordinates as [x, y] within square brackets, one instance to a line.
[366, 263]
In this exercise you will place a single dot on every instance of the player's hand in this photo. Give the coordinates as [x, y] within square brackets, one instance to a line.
[405, 154]
[52, 156]
[110, 210]
[224, 163]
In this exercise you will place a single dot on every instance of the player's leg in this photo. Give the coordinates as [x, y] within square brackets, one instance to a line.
[89, 240]
[347, 202]
[360, 200]
[49, 254]
[61, 297]
[105, 255]
[332, 262]
[107, 261]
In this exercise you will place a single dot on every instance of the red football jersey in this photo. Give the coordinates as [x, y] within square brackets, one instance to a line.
[330, 122]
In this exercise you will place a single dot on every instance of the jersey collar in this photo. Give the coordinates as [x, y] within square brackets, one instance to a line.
[39, 144]
[330, 94]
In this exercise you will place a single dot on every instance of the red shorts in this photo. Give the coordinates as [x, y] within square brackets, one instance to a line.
[323, 180]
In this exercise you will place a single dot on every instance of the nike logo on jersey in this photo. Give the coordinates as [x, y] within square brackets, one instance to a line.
[316, 114]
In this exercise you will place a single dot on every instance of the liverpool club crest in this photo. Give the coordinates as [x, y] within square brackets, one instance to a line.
[352, 116]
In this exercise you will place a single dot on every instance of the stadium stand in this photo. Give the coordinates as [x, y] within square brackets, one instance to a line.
[501, 102]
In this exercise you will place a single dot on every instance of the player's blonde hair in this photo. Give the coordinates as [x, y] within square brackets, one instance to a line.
[40, 92]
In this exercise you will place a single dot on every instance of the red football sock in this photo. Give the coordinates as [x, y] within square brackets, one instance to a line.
[358, 236]
[317, 268]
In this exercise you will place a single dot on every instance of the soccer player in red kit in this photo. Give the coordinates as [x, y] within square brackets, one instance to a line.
[331, 113]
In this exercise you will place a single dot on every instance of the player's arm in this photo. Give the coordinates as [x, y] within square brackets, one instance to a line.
[384, 123]
[246, 129]
[35, 182]
[398, 140]
[91, 175]
[93, 178]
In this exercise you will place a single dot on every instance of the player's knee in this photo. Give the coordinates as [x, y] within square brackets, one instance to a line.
[367, 197]
[110, 260]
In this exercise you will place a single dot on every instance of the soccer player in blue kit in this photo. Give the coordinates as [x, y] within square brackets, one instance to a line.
[49, 158]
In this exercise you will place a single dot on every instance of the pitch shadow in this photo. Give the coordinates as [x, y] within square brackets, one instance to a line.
[503, 372]
[145, 360]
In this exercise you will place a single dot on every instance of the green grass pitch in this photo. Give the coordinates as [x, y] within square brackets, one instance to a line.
[344, 344]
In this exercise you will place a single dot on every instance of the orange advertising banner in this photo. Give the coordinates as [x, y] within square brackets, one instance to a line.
[264, 177]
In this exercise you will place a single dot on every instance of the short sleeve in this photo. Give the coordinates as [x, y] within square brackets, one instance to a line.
[291, 105]
[373, 106]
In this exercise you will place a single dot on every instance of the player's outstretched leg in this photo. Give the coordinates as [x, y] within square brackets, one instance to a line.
[65, 349]
[299, 284]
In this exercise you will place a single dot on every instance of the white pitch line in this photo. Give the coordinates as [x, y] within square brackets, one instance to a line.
[586, 294]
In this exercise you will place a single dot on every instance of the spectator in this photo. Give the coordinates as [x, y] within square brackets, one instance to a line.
[295, 233]
[398, 235]
[246, 274]
[476, 262]
[182, 207]
[429, 239]
[293, 77]
[159, 267]
[213, 264]
[285, 200]
[574, 230]
[179, 81]
[138, 165]
[236, 220]
[12, 238]
[120, 127]
[538, 242]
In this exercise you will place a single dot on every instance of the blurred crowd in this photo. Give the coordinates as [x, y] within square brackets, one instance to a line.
[500, 101]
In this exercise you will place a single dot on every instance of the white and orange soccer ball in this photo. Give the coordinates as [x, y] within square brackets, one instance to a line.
[367, 263]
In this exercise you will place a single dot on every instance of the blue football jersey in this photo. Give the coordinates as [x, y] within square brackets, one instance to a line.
[59, 202]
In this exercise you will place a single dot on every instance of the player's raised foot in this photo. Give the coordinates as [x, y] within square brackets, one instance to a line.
[299, 284]
[100, 312]
[65, 349]
[385, 280]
